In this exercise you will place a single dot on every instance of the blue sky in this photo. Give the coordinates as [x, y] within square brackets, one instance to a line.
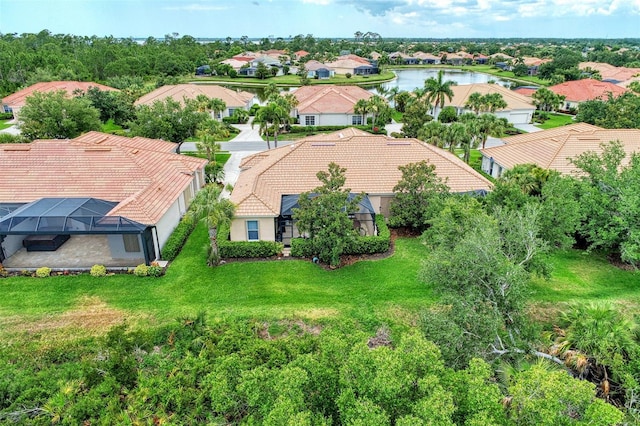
[326, 18]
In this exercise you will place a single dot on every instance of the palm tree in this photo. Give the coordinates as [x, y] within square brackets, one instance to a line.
[474, 103]
[455, 135]
[215, 212]
[361, 107]
[217, 105]
[433, 133]
[263, 117]
[489, 124]
[437, 90]
[377, 105]
[209, 133]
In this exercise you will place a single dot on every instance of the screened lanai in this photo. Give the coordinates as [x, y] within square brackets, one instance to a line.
[47, 224]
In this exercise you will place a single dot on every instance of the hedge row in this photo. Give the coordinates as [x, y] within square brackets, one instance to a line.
[369, 244]
[177, 239]
[311, 129]
[234, 249]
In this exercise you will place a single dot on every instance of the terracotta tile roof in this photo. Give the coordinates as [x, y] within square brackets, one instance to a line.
[329, 99]
[19, 98]
[611, 72]
[556, 132]
[301, 53]
[554, 151]
[315, 65]
[144, 180]
[371, 161]
[514, 100]
[533, 61]
[347, 64]
[353, 57]
[178, 92]
[525, 91]
[586, 89]
[500, 55]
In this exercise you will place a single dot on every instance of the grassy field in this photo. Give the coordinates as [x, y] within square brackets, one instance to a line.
[294, 80]
[556, 120]
[369, 292]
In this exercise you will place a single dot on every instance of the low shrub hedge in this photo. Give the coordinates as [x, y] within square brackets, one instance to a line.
[312, 129]
[177, 239]
[245, 249]
[369, 244]
[6, 115]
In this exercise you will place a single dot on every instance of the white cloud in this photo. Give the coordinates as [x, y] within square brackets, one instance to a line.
[501, 18]
[319, 2]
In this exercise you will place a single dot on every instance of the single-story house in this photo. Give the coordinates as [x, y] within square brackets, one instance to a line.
[551, 148]
[454, 59]
[533, 64]
[427, 58]
[14, 102]
[352, 66]
[270, 182]
[300, 54]
[481, 59]
[234, 99]
[95, 199]
[403, 59]
[622, 75]
[583, 90]
[519, 108]
[329, 105]
[318, 70]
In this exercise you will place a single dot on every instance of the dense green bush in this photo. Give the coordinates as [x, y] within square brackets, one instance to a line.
[6, 115]
[141, 270]
[177, 239]
[245, 249]
[369, 244]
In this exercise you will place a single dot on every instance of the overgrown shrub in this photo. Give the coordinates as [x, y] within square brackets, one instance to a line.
[245, 249]
[3, 272]
[177, 239]
[141, 270]
[6, 115]
[98, 271]
[369, 244]
[43, 272]
[9, 138]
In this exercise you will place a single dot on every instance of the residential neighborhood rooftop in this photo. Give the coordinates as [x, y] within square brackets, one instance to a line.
[371, 162]
[586, 89]
[329, 99]
[18, 99]
[180, 92]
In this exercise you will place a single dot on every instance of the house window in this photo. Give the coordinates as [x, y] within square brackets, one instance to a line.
[252, 230]
[356, 120]
[310, 120]
[131, 243]
[231, 111]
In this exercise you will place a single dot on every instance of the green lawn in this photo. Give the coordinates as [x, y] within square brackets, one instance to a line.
[221, 157]
[4, 124]
[368, 290]
[110, 127]
[556, 120]
[294, 80]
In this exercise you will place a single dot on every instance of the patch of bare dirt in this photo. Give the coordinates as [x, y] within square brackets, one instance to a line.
[91, 315]
[284, 328]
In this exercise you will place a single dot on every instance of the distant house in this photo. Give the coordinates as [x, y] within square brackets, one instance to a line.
[455, 59]
[554, 148]
[318, 70]
[14, 102]
[587, 89]
[533, 64]
[329, 105]
[403, 59]
[621, 76]
[519, 108]
[203, 70]
[96, 199]
[270, 182]
[481, 59]
[300, 54]
[427, 58]
[353, 67]
[179, 92]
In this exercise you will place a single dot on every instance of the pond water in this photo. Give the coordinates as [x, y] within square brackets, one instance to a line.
[409, 79]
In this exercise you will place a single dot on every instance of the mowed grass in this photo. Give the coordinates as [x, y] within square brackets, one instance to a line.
[377, 290]
[369, 292]
[4, 124]
[556, 120]
[581, 277]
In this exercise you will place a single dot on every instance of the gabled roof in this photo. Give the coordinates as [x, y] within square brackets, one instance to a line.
[314, 65]
[145, 180]
[586, 90]
[552, 150]
[180, 92]
[329, 99]
[514, 100]
[348, 64]
[556, 132]
[19, 98]
[611, 72]
[371, 162]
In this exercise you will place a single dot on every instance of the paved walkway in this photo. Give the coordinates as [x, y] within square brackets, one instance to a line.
[12, 130]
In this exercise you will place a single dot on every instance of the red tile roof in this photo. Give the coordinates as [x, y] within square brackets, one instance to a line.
[140, 174]
[586, 90]
[329, 99]
[180, 92]
[19, 98]
[371, 161]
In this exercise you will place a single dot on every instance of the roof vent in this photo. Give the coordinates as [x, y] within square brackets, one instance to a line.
[340, 135]
[398, 143]
[16, 147]
[98, 149]
[324, 144]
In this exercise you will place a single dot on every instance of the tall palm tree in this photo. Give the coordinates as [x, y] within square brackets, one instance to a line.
[209, 133]
[433, 133]
[217, 105]
[456, 135]
[264, 117]
[437, 90]
[377, 104]
[489, 124]
[474, 102]
[215, 211]
[361, 107]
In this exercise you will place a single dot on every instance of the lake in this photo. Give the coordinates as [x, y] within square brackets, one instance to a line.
[409, 79]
